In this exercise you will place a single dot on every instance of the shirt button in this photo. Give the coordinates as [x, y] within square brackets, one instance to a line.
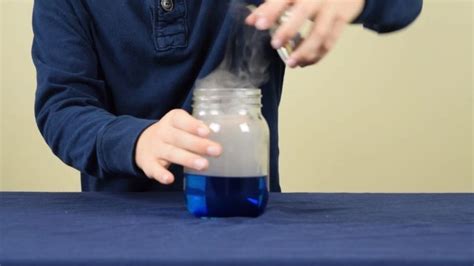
[167, 5]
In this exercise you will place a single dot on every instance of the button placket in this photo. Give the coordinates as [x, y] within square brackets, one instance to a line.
[170, 28]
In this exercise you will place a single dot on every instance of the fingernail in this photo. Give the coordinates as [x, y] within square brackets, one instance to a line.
[276, 43]
[200, 164]
[248, 19]
[291, 62]
[203, 131]
[261, 24]
[166, 179]
[214, 150]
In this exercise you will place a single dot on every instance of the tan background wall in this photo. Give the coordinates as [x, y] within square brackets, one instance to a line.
[380, 114]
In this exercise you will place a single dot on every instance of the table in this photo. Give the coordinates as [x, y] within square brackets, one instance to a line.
[297, 229]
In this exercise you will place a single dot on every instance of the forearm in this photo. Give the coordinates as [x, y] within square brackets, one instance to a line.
[90, 139]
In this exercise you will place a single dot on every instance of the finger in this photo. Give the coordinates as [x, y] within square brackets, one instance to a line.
[192, 143]
[184, 121]
[329, 44]
[338, 28]
[267, 14]
[159, 173]
[182, 157]
[251, 19]
[300, 13]
[307, 62]
[309, 50]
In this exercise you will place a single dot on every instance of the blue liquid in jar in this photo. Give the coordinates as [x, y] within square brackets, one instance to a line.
[215, 196]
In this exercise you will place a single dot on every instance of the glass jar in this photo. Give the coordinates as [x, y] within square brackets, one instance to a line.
[237, 182]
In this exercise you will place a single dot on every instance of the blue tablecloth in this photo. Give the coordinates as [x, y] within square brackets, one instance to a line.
[297, 229]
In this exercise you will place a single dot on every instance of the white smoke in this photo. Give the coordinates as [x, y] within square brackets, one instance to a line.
[246, 59]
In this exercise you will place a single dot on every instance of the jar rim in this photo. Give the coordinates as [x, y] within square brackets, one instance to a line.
[224, 90]
[210, 98]
[231, 89]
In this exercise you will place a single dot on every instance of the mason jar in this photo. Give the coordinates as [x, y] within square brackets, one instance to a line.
[237, 182]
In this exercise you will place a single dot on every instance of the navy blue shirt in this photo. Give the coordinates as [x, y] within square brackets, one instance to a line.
[108, 69]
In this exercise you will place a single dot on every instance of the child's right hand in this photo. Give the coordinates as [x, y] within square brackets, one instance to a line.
[177, 138]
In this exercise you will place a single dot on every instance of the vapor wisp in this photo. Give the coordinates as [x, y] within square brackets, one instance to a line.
[246, 60]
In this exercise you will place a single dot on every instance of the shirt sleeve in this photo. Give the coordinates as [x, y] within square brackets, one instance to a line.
[385, 16]
[72, 105]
